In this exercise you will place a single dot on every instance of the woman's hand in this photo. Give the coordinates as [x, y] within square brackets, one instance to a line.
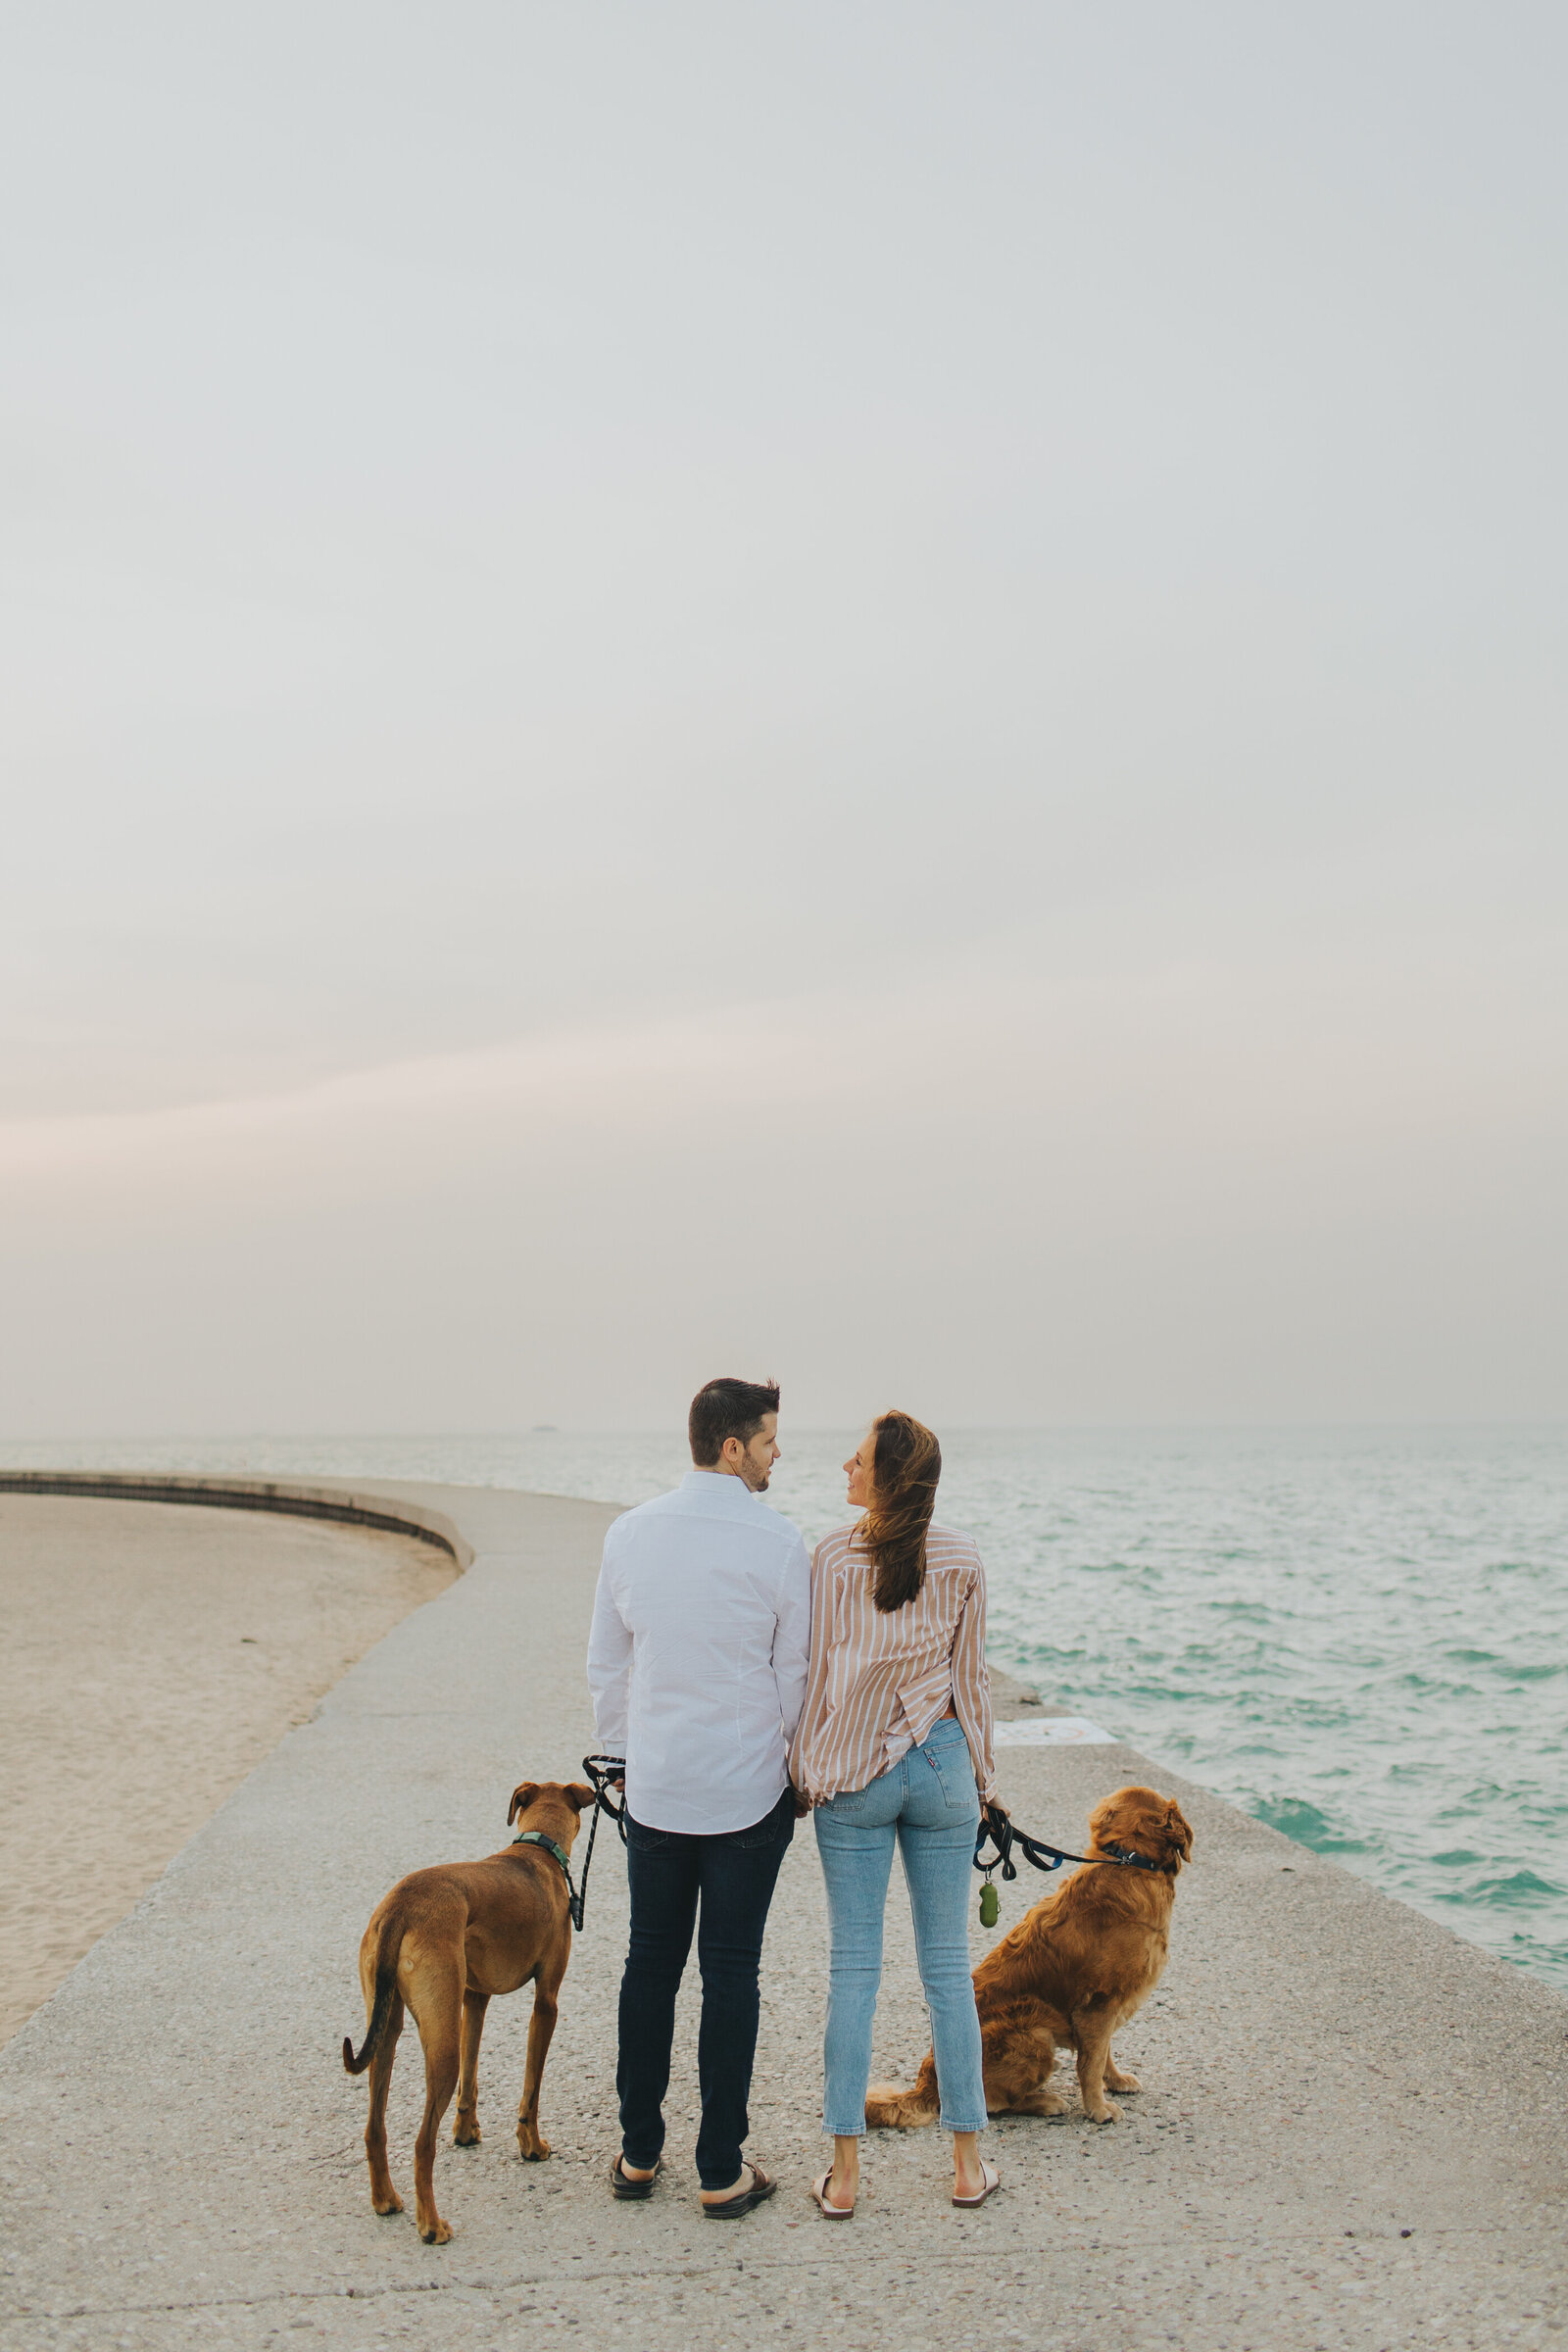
[803, 1804]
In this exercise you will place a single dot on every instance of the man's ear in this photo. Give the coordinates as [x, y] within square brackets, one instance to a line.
[522, 1797]
[578, 1795]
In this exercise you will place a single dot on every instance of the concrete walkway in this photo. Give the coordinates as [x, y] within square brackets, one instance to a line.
[1325, 2070]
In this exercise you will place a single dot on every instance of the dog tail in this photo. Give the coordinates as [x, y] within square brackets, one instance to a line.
[386, 1992]
[890, 2109]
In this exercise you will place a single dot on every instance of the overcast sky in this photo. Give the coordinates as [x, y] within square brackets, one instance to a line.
[872, 691]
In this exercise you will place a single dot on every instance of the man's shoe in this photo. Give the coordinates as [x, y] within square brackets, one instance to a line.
[728, 2208]
[620, 2186]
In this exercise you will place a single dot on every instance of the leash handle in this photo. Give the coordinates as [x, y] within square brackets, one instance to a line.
[601, 1771]
[995, 1824]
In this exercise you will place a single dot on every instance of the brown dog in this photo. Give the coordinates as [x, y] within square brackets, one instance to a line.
[444, 1941]
[1071, 1972]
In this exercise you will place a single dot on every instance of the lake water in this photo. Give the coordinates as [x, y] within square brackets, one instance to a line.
[1358, 1635]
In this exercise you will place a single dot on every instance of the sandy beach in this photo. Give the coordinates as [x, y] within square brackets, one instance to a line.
[154, 1654]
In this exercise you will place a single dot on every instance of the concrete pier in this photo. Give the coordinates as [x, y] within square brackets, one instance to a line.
[1352, 2130]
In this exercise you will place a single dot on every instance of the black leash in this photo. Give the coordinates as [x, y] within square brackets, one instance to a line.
[1004, 1837]
[601, 1771]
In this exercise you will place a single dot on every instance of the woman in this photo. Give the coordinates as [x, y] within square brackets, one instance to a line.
[894, 1747]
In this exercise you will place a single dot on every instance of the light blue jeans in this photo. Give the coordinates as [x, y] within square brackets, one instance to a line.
[927, 1805]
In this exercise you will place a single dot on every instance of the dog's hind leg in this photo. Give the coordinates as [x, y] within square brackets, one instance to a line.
[1017, 2075]
[541, 2026]
[436, 1999]
[383, 2196]
[1026, 2084]
[466, 2129]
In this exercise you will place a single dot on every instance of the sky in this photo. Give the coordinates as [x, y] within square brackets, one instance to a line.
[870, 693]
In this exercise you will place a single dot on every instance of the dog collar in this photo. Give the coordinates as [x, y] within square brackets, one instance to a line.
[538, 1838]
[1124, 1854]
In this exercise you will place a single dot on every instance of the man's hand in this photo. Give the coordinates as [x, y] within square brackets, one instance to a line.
[803, 1804]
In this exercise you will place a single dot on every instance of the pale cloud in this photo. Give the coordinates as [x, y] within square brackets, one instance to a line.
[1079, 1203]
[870, 689]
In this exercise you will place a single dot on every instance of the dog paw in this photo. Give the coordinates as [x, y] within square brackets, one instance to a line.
[389, 2204]
[1105, 2112]
[534, 2151]
[1123, 2084]
[464, 2136]
[439, 2232]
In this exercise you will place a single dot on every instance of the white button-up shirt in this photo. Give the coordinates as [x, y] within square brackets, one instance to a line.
[698, 1655]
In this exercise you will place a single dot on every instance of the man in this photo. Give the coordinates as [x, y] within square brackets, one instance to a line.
[697, 1665]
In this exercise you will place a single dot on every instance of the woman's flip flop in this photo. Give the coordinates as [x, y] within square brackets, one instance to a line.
[829, 2213]
[993, 2181]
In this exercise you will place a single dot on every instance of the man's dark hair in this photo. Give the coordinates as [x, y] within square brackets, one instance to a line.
[727, 1408]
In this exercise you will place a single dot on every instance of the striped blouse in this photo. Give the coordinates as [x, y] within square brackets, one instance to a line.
[879, 1678]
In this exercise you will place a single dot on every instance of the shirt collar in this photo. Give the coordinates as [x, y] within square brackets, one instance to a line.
[723, 1490]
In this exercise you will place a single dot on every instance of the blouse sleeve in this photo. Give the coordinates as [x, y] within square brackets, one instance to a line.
[972, 1684]
[815, 1683]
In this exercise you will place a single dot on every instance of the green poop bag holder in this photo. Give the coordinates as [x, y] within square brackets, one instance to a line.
[996, 1827]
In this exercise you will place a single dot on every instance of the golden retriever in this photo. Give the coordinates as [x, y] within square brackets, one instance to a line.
[1071, 1973]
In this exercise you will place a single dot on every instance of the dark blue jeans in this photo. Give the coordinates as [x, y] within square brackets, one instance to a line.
[733, 1877]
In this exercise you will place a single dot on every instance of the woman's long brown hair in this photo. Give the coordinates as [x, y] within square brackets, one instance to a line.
[906, 1464]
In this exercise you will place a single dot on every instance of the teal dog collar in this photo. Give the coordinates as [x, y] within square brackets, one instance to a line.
[538, 1838]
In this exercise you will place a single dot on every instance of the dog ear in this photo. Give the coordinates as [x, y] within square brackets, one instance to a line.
[1177, 1831]
[522, 1797]
[578, 1795]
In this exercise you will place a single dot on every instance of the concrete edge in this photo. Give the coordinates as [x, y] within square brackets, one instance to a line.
[340, 1501]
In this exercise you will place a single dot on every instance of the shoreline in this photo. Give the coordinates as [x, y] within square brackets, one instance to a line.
[1358, 1642]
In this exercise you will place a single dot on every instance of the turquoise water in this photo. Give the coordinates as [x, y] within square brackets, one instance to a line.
[1360, 1637]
